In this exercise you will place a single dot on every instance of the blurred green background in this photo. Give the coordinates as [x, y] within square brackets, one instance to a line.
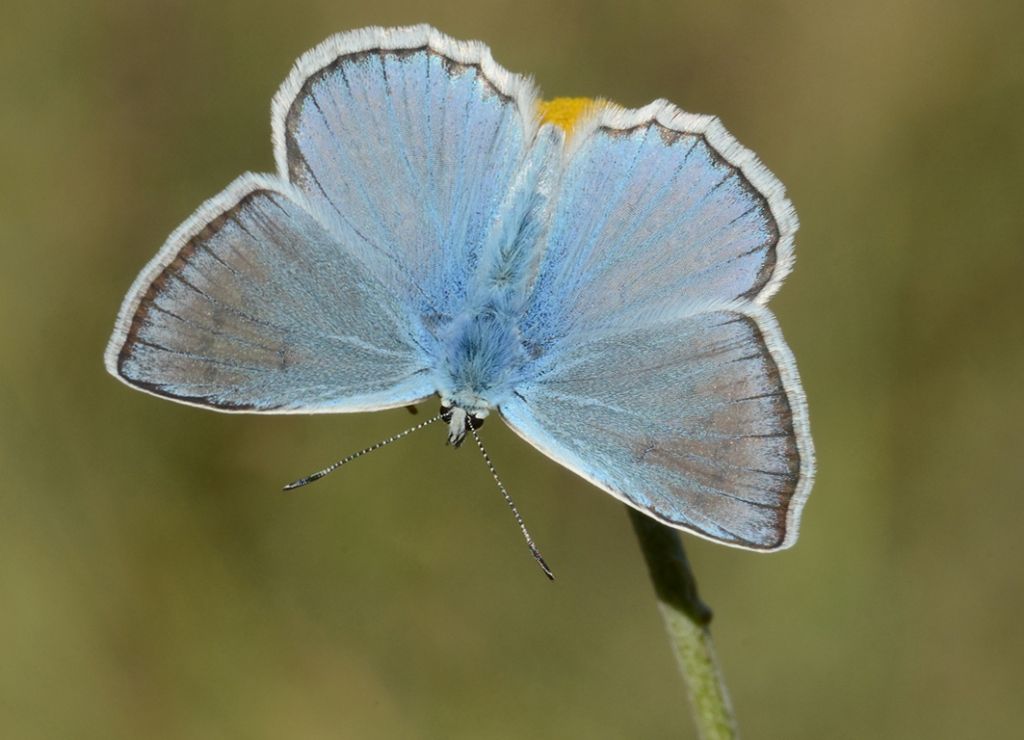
[155, 583]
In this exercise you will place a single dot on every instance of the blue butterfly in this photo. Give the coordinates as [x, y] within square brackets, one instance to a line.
[597, 275]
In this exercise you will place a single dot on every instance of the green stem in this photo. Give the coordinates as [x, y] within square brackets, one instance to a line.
[686, 620]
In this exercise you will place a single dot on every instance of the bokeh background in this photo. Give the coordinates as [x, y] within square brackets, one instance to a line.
[155, 583]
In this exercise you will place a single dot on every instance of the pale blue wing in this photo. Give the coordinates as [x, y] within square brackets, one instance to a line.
[656, 372]
[699, 422]
[660, 214]
[407, 142]
[253, 305]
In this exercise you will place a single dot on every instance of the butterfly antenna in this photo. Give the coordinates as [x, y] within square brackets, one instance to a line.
[344, 461]
[511, 504]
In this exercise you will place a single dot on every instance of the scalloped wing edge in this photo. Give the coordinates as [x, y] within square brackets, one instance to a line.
[783, 357]
[518, 87]
[191, 227]
[188, 229]
[669, 115]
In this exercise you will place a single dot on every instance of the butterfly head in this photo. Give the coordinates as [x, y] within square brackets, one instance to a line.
[461, 421]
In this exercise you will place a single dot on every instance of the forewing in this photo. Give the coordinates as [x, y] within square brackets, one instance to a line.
[660, 214]
[253, 305]
[699, 422]
[407, 142]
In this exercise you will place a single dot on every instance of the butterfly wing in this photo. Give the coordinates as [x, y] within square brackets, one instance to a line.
[660, 214]
[253, 305]
[316, 290]
[407, 142]
[698, 422]
[659, 375]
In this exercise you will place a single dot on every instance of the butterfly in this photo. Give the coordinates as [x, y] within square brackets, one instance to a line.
[597, 276]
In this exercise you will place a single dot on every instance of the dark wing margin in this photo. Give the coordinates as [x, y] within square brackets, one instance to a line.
[660, 214]
[252, 305]
[700, 423]
[406, 142]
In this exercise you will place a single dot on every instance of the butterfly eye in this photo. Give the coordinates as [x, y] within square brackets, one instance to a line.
[474, 422]
[446, 413]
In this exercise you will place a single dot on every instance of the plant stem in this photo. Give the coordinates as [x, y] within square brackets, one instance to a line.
[686, 620]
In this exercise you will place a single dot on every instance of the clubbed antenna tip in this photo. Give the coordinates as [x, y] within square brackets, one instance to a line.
[511, 504]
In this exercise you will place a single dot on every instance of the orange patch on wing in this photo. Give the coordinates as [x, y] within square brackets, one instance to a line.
[566, 112]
